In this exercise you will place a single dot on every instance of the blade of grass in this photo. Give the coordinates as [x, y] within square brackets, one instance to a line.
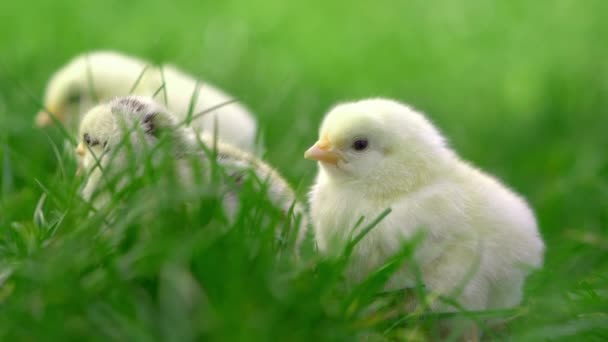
[38, 218]
[164, 88]
[90, 80]
[372, 285]
[57, 156]
[192, 104]
[208, 110]
[351, 245]
[139, 77]
[161, 88]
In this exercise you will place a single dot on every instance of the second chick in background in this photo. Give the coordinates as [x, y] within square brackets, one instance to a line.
[98, 76]
[116, 135]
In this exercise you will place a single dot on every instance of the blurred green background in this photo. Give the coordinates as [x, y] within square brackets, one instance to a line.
[519, 87]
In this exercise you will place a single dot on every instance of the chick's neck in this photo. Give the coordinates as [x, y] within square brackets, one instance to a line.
[388, 183]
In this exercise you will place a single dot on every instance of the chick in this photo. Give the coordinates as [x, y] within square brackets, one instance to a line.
[480, 239]
[102, 75]
[115, 135]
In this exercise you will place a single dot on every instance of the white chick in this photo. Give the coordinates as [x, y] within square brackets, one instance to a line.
[100, 76]
[480, 239]
[142, 122]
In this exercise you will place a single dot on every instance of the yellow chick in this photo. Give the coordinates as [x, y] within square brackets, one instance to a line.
[115, 134]
[480, 239]
[99, 76]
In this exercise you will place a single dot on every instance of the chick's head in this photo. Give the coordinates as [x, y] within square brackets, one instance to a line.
[378, 142]
[133, 120]
[83, 82]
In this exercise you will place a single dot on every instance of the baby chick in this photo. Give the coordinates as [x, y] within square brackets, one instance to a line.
[480, 240]
[100, 76]
[114, 135]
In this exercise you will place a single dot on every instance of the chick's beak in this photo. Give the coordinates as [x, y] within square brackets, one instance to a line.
[43, 118]
[322, 151]
[80, 149]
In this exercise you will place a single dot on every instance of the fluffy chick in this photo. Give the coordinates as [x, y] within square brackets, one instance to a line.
[479, 235]
[115, 134]
[102, 75]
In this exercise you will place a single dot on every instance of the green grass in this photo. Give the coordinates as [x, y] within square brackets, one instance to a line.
[520, 88]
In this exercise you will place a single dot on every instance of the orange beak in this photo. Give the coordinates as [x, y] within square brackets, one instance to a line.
[43, 118]
[80, 150]
[322, 151]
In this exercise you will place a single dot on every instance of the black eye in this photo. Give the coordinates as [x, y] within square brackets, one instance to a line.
[91, 142]
[360, 144]
[74, 98]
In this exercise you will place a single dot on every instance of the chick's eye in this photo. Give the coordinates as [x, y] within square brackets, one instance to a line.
[74, 98]
[86, 138]
[360, 144]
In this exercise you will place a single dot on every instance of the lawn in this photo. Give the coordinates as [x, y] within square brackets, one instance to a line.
[519, 87]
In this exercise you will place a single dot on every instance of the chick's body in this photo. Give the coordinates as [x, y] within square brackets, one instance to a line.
[102, 75]
[115, 136]
[477, 234]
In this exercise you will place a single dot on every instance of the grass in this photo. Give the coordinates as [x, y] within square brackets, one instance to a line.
[519, 87]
